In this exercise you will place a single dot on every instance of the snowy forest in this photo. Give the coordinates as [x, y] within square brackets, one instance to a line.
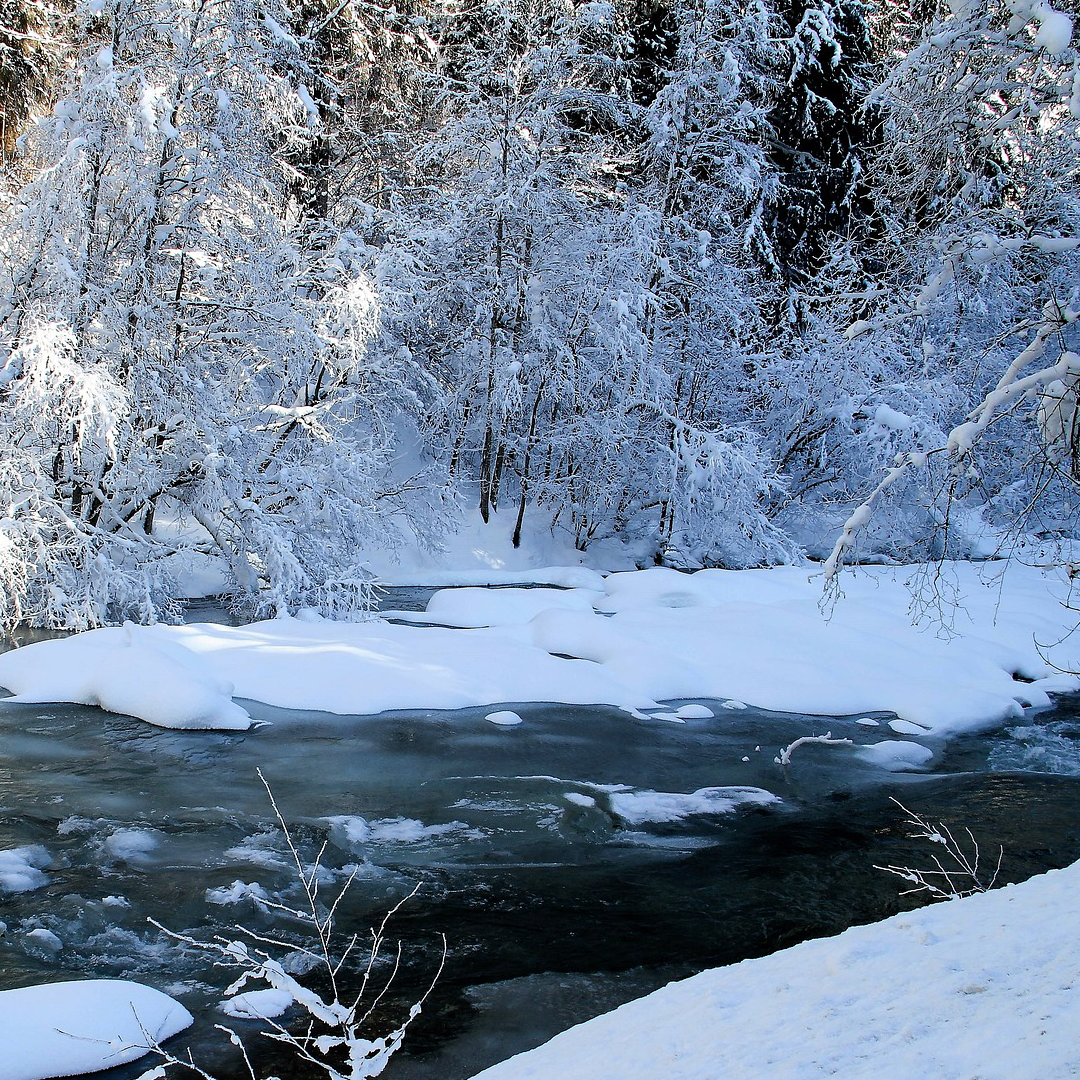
[706, 279]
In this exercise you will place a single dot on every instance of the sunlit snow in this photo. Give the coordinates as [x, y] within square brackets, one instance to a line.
[758, 637]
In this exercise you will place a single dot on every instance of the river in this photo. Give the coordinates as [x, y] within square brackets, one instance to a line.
[574, 861]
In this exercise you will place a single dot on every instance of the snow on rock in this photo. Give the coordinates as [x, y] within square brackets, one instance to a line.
[132, 845]
[71, 1028]
[21, 868]
[894, 754]
[755, 636]
[128, 670]
[985, 986]
[44, 939]
[505, 718]
[236, 893]
[695, 712]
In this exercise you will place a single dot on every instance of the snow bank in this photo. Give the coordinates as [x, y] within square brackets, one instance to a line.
[753, 636]
[128, 670]
[988, 987]
[70, 1028]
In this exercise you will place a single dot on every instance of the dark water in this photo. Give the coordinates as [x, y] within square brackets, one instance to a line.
[560, 895]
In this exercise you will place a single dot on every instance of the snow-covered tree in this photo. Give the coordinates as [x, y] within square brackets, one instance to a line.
[181, 369]
[698, 211]
[501, 262]
[980, 232]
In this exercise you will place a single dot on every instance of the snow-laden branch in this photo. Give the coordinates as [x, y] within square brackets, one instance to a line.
[784, 757]
[1013, 387]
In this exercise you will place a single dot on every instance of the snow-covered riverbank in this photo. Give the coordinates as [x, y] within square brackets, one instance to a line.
[993, 640]
[985, 987]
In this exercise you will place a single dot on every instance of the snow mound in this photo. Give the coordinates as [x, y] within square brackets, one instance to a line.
[71, 1028]
[985, 986]
[896, 755]
[124, 670]
[503, 607]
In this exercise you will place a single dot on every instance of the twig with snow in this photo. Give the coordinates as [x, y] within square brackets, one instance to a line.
[963, 878]
[784, 757]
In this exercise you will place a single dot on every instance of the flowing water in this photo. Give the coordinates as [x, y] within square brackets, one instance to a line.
[574, 861]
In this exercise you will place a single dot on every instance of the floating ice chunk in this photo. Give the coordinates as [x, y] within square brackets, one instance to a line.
[731, 703]
[257, 1004]
[126, 671]
[639, 807]
[70, 1028]
[21, 868]
[503, 719]
[115, 901]
[895, 754]
[868, 721]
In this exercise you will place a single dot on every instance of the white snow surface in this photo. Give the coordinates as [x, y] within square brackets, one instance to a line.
[985, 987]
[755, 636]
[71, 1028]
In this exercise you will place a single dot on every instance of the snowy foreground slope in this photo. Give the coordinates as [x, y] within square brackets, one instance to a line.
[985, 988]
[631, 640]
